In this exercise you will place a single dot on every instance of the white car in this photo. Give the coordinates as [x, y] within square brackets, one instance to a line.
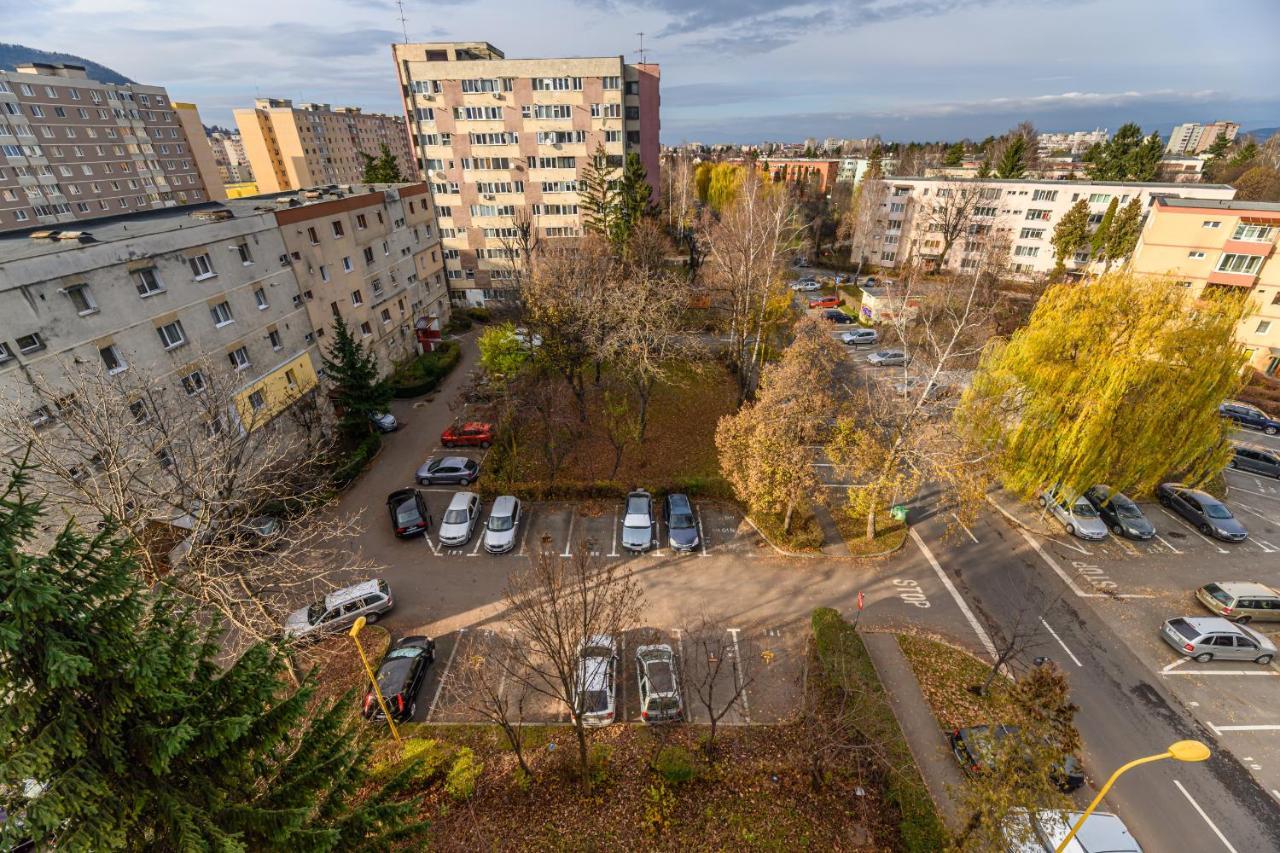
[503, 526]
[1046, 830]
[1076, 514]
[860, 337]
[525, 339]
[810, 286]
[459, 520]
[597, 679]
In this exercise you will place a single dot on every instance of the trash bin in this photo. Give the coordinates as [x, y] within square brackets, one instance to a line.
[898, 512]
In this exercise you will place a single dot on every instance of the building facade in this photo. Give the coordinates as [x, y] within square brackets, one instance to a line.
[293, 147]
[505, 141]
[1231, 245]
[820, 174]
[72, 148]
[1073, 142]
[1023, 212]
[229, 154]
[1193, 138]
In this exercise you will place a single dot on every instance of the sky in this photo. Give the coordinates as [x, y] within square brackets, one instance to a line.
[732, 70]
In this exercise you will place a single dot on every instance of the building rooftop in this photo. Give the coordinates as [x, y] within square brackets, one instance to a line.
[23, 245]
[1219, 204]
[1058, 183]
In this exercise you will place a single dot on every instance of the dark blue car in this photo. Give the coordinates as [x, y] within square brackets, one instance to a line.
[1249, 416]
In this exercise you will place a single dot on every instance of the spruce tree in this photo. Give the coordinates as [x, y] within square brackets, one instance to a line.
[1144, 161]
[358, 391]
[1122, 238]
[984, 168]
[1098, 242]
[633, 200]
[383, 169]
[1070, 236]
[954, 155]
[597, 195]
[123, 728]
[1012, 161]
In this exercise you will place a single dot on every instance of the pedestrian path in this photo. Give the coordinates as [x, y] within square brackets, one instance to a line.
[832, 542]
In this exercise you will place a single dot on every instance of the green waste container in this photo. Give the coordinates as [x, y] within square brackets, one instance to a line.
[899, 513]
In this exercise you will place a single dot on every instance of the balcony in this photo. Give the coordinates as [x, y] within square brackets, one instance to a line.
[1233, 279]
[1249, 247]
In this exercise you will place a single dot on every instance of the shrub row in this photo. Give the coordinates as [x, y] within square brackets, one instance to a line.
[843, 662]
[350, 467]
[422, 375]
[574, 490]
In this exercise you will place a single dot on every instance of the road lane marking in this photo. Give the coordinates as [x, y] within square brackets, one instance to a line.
[1125, 546]
[613, 543]
[1217, 730]
[1200, 811]
[1167, 545]
[1053, 564]
[1185, 524]
[702, 537]
[568, 545]
[1054, 634]
[431, 543]
[1251, 492]
[1067, 543]
[445, 675]
[960, 602]
[966, 529]
[737, 676]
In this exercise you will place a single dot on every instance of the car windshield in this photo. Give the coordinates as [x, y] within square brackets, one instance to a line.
[595, 701]
[314, 612]
[681, 521]
[455, 516]
[662, 704]
[501, 522]
[637, 506]
[1084, 509]
[406, 512]
[1216, 510]
[406, 652]
[1125, 508]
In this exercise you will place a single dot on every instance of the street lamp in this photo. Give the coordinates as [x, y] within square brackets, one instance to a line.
[377, 691]
[1183, 750]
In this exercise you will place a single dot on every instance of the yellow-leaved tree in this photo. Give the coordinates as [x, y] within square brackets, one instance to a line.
[1116, 381]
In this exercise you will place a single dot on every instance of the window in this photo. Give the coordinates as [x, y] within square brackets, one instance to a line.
[291, 378]
[611, 82]
[260, 297]
[357, 298]
[1031, 234]
[1259, 233]
[221, 314]
[193, 383]
[346, 264]
[1044, 195]
[1195, 255]
[361, 222]
[171, 335]
[1099, 198]
[386, 316]
[368, 255]
[324, 273]
[366, 329]
[1244, 264]
[336, 225]
[82, 299]
[6, 354]
[1026, 251]
[1263, 327]
[1036, 214]
[257, 401]
[274, 336]
[112, 358]
[201, 268]
[1211, 223]
[239, 358]
[312, 236]
[246, 257]
[30, 343]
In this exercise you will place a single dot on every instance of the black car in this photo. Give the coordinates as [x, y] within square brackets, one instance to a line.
[400, 677]
[682, 526]
[836, 316]
[1205, 512]
[1120, 513]
[409, 513]
[976, 747]
[1249, 416]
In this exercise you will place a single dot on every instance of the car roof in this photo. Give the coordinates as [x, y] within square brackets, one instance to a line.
[1210, 624]
[604, 640]
[359, 590]
[461, 499]
[679, 501]
[503, 505]
[1241, 588]
[1102, 832]
[474, 425]
[659, 667]
[401, 495]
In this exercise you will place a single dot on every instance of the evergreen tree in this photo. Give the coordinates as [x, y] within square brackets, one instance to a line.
[597, 195]
[138, 735]
[984, 168]
[1216, 151]
[1247, 152]
[358, 391]
[1070, 236]
[954, 155]
[1012, 161]
[383, 169]
[875, 163]
[1127, 156]
[1098, 242]
[633, 200]
[1144, 163]
[1122, 237]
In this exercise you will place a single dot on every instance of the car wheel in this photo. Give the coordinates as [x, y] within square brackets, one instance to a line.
[465, 481]
[1205, 529]
[1203, 657]
[1071, 530]
[1232, 464]
[1270, 430]
[484, 444]
[1117, 530]
[1243, 620]
[1164, 502]
[1040, 500]
[371, 618]
[1263, 660]
[447, 443]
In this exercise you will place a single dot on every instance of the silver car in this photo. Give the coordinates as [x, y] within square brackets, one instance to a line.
[659, 684]
[503, 527]
[859, 337]
[1204, 638]
[340, 609]
[1043, 831]
[596, 680]
[459, 520]
[637, 522]
[1076, 514]
[888, 358]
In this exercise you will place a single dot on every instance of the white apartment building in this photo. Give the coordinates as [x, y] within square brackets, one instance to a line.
[1073, 142]
[1024, 211]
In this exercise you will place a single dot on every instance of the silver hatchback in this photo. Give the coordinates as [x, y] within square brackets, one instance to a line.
[1204, 638]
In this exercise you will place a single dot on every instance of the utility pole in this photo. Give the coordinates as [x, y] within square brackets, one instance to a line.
[642, 54]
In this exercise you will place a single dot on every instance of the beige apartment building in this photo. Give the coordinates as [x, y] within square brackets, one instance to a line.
[1231, 245]
[72, 148]
[228, 153]
[1023, 212]
[505, 141]
[1194, 138]
[293, 147]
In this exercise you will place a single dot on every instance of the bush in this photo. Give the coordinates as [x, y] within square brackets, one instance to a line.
[674, 764]
[844, 664]
[458, 322]
[421, 375]
[428, 756]
[461, 781]
[349, 468]
[479, 315]
[805, 534]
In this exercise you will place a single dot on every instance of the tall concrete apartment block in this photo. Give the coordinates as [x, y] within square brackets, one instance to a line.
[1193, 138]
[72, 148]
[502, 139]
[293, 147]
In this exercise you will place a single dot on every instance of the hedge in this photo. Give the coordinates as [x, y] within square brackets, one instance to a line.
[844, 663]
[422, 375]
[574, 490]
[350, 467]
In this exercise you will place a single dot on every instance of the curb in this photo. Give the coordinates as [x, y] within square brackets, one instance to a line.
[1019, 522]
[783, 551]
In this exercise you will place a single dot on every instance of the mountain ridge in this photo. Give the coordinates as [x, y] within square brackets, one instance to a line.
[12, 55]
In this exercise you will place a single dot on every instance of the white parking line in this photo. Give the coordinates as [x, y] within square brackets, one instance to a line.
[445, 675]
[1200, 811]
[431, 543]
[475, 552]
[1054, 634]
[568, 545]
[1173, 669]
[702, 539]
[1167, 544]
[965, 528]
[1231, 489]
[613, 543]
[527, 521]
[737, 675]
[1217, 730]
[960, 602]
[1220, 549]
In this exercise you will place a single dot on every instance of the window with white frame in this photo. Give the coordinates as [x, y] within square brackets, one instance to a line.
[246, 257]
[1195, 255]
[193, 383]
[1211, 223]
[147, 282]
[365, 329]
[273, 335]
[257, 402]
[260, 298]
[338, 230]
[82, 299]
[201, 267]
[1263, 327]
[221, 314]
[346, 264]
[1257, 233]
[6, 353]
[357, 298]
[239, 358]
[1243, 264]
[171, 334]
[112, 358]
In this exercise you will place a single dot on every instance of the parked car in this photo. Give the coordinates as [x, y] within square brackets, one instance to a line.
[469, 434]
[682, 525]
[262, 532]
[1241, 601]
[597, 679]
[829, 301]
[637, 522]
[1204, 638]
[1205, 512]
[976, 750]
[1249, 416]
[340, 609]
[911, 386]
[384, 421]
[659, 684]
[833, 315]
[1101, 832]
[869, 281]
[801, 262]
[526, 339]
[409, 513]
[858, 337]
[841, 279]
[1076, 514]
[448, 469]
[1119, 513]
[1255, 461]
[503, 527]
[888, 358]
[459, 520]
[810, 285]
[400, 677]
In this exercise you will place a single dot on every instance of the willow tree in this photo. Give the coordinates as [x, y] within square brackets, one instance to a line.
[1118, 381]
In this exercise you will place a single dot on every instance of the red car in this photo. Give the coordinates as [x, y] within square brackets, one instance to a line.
[831, 301]
[471, 434]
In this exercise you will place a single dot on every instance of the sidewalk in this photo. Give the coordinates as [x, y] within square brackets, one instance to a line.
[832, 542]
[927, 742]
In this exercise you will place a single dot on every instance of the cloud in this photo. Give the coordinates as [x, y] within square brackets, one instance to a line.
[289, 39]
[1043, 103]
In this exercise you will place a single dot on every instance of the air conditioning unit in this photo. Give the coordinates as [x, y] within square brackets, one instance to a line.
[284, 260]
[497, 96]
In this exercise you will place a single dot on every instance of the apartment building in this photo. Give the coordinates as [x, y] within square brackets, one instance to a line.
[1206, 244]
[72, 148]
[374, 259]
[1073, 142]
[1193, 138]
[293, 147]
[201, 152]
[1024, 212]
[819, 174]
[501, 140]
[229, 154]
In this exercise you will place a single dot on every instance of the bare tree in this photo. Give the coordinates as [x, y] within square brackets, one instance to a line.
[713, 660]
[951, 215]
[557, 607]
[863, 224]
[488, 686]
[836, 717]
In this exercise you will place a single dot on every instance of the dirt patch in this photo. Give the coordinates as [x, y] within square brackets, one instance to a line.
[946, 675]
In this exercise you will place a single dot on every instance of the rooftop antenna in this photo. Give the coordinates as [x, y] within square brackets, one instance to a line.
[404, 25]
[642, 54]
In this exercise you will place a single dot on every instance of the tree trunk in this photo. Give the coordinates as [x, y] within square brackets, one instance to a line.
[644, 390]
[584, 757]
[871, 515]
[786, 521]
